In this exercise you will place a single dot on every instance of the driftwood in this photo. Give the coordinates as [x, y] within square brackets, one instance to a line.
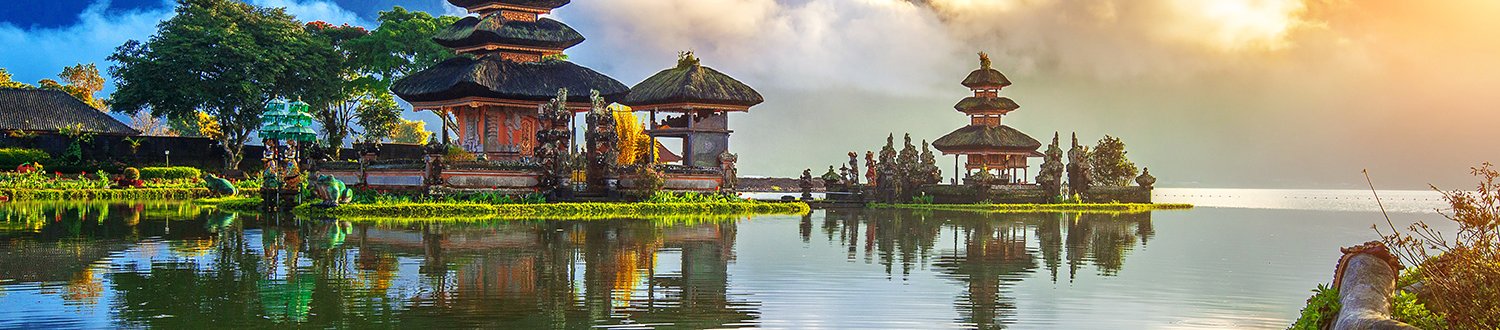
[1366, 279]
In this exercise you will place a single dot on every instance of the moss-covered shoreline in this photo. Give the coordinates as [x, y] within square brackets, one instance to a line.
[481, 211]
[139, 194]
[1033, 208]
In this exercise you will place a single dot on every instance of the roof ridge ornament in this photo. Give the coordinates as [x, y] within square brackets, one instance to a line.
[685, 59]
[984, 60]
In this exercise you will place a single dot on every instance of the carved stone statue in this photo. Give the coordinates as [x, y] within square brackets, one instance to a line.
[603, 145]
[806, 184]
[552, 141]
[1050, 177]
[1079, 179]
[870, 174]
[731, 174]
[853, 168]
[1146, 180]
[332, 191]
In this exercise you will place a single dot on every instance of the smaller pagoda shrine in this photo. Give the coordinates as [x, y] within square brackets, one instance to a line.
[696, 101]
[286, 131]
[994, 152]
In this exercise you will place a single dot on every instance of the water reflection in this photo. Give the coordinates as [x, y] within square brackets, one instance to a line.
[208, 267]
[178, 266]
[989, 251]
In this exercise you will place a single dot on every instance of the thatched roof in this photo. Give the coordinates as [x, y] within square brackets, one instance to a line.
[492, 77]
[971, 104]
[543, 33]
[47, 110]
[691, 82]
[981, 137]
[550, 4]
[986, 76]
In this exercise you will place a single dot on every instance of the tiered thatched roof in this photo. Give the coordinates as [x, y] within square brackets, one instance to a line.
[985, 76]
[691, 82]
[549, 4]
[983, 104]
[474, 31]
[493, 77]
[981, 137]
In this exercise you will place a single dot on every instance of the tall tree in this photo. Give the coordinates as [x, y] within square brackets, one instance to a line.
[8, 82]
[1108, 162]
[343, 86]
[402, 44]
[222, 57]
[379, 114]
[410, 131]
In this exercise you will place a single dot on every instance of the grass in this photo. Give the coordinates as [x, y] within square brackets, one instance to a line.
[236, 203]
[110, 194]
[1032, 208]
[566, 211]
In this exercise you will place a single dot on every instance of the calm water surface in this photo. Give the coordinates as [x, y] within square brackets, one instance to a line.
[1246, 260]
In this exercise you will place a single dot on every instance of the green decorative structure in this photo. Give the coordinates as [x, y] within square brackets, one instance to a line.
[286, 130]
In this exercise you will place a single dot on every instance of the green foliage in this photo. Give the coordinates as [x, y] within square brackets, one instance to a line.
[170, 173]
[222, 57]
[409, 131]
[692, 197]
[105, 194]
[1108, 163]
[1406, 307]
[8, 82]
[10, 158]
[923, 199]
[1458, 271]
[473, 211]
[1322, 308]
[132, 173]
[402, 44]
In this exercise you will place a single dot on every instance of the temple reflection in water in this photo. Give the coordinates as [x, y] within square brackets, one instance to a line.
[988, 251]
[173, 265]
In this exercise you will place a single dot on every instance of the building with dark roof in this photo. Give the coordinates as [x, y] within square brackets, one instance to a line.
[46, 111]
[701, 99]
[986, 144]
[512, 66]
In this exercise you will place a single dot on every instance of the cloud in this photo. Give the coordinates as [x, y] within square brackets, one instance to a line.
[315, 10]
[40, 53]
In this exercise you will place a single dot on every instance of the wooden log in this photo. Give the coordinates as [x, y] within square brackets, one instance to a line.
[1366, 279]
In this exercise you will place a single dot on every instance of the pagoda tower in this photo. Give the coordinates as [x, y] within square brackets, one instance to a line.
[697, 100]
[509, 64]
[986, 143]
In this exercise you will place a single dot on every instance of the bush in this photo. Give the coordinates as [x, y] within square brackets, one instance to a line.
[1405, 307]
[132, 174]
[11, 158]
[1321, 309]
[1459, 271]
[170, 173]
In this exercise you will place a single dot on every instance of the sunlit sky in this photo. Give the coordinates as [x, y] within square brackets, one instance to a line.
[1229, 93]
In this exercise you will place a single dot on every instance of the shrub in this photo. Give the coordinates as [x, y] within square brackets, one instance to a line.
[13, 157]
[132, 174]
[1406, 307]
[170, 173]
[1459, 271]
[1322, 308]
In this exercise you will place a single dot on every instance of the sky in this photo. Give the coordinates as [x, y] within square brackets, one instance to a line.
[1226, 93]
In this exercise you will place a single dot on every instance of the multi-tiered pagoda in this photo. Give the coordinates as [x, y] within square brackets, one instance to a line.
[509, 65]
[987, 144]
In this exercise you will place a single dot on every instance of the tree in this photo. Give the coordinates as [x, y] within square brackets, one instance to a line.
[402, 44]
[1108, 163]
[410, 131]
[7, 81]
[149, 125]
[379, 114]
[225, 58]
[83, 81]
[342, 86]
[634, 143]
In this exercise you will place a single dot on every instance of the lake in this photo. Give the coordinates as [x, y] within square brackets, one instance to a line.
[1243, 259]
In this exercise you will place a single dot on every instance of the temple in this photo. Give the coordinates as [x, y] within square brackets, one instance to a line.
[697, 101]
[988, 145]
[510, 64]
